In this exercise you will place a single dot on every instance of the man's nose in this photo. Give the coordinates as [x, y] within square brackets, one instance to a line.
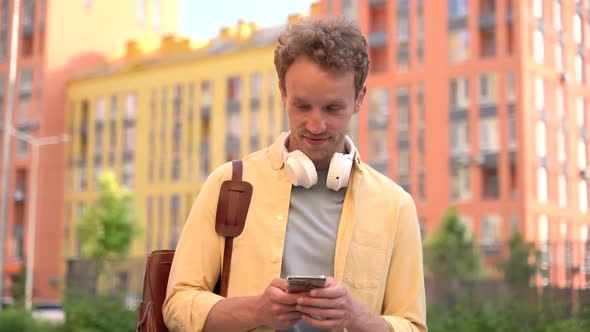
[316, 123]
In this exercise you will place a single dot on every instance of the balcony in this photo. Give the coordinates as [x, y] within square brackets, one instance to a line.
[488, 110]
[457, 23]
[380, 166]
[28, 27]
[509, 16]
[254, 103]
[19, 194]
[377, 2]
[459, 159]
[233, 106]
[487, 20]
[206, 111]
[232, 143]
[378, 39]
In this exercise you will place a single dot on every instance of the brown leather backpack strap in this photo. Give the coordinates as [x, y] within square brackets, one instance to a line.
[236, 174]
[232, 208]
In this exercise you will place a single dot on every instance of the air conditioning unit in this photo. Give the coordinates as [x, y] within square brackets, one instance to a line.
[478, 159]
[563, 77]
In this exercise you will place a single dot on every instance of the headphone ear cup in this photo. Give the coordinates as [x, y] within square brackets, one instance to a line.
[300, 169]
[339, 171]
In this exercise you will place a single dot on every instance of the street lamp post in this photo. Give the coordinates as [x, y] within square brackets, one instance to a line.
[35, 143]
[14, 38]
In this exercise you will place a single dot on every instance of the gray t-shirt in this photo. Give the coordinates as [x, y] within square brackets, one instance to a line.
[312, 228]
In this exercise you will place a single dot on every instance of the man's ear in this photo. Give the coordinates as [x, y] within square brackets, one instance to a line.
[359, 99]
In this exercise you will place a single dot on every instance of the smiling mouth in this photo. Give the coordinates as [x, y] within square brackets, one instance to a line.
[315, 141]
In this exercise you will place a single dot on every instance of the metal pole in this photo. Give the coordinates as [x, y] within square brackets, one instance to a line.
[6, 143]
[35, 143]
[32, 225]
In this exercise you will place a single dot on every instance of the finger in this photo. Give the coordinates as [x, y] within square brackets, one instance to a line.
[290, 316]
[335, 291]
[279, 283]
[324, 303]
[321, 322]
[278, 296]
[315, 312]
[279, 309]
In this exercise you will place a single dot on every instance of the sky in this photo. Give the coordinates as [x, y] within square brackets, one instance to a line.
[200, 19]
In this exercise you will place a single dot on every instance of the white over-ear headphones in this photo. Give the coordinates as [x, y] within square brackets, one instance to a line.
[301, 170]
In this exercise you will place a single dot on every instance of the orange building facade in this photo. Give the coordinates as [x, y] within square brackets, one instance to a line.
[56, 39]
[484, 105]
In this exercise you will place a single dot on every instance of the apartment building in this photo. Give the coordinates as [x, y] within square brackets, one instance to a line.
[55, 39]
[484, 104]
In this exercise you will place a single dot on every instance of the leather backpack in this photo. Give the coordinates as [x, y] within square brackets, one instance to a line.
[232, 208]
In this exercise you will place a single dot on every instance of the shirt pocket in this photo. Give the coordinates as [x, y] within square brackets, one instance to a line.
[365, 265]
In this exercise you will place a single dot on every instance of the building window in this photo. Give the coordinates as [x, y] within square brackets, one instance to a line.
[457, 8]
[491, 234]
[562, 190]
[489, 138]
[467, 223]
[18, 241]
[140, 11]
[543, 237]
[577, 29]
[403, 112]
[583, 195]
[459, 137]
[557, 15]
[458, 45]
[157, 18]
[541, 139]
[460, 184]
[579, 69]
[538, 8]
[538, 46]
[582, 158]
[25, 84]
[420, 32]
[378, 108]
[350, 9]
[174, 220]
[510, 87]
[561, 147]
[558, 58]
[542, 185]
[539, 94]
[459, 93]
[487, 88]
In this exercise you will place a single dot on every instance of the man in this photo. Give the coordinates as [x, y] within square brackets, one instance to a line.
[355, 225]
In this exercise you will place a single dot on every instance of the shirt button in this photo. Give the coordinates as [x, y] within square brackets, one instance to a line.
[280, 218]
[274, 260]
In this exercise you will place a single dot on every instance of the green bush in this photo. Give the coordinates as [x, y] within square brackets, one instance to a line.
[101, 313]
[509, 316]
[13, 320]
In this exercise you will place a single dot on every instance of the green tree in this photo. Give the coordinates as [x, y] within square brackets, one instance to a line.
[521, 264]
[17, 291]
[450, 252]
[107, 228]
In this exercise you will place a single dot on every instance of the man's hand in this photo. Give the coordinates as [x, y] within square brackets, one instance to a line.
[333, 308]
[276, 308]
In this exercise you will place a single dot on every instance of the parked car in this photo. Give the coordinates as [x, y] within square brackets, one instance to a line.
[6, 302]
[49, 311]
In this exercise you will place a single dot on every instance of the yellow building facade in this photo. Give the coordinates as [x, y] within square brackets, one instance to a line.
[162, 118]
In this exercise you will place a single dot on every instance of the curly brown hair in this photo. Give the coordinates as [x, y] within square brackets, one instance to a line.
[333, 43]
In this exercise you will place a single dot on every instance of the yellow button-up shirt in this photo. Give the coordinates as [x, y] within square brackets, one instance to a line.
[378, 249]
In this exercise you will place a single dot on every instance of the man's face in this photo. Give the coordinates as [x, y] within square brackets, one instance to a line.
[319, 105]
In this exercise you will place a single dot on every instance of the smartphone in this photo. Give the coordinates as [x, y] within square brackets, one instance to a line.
[305, 283]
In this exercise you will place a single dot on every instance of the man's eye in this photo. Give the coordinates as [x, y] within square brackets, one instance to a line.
[302, 106]
[333, 108]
